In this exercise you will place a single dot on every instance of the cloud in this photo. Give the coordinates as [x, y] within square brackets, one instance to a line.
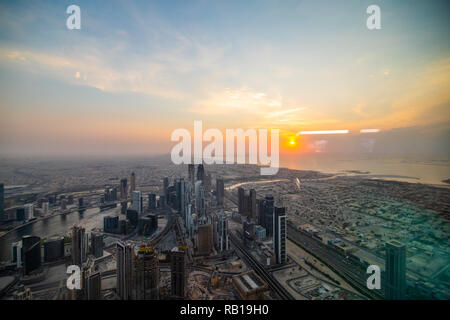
[242, 100]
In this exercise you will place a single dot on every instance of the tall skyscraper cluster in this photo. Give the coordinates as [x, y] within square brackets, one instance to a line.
[138, 274]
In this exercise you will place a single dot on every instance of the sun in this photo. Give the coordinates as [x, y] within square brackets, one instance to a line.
[292, 142]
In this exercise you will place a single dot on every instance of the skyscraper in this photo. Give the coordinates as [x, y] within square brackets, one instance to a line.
[268, 215]
[205, 238]
[152, 201]
[166, 189]
[92, 284]
[132, 182]
[200, 172]
[146, 275]
[252, 204]
[137, 201]
[79, 245]
[279, 234]
[123, 188]
[395, 286]
[31, 250]
[191, 172]
[124, 269]
[220, 190]
[178, 272]
[97, 244]
[241, 200]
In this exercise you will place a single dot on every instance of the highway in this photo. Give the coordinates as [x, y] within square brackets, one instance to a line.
[261, 271]
[354, 275]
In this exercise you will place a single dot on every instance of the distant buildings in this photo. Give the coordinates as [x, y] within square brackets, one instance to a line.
[166, 188]
[178, 272]
[124, 269]
[123, 188]
[279, 235]
[152, 201]
[220, 190]
[191, 173]
[200, 172]
[395, 286]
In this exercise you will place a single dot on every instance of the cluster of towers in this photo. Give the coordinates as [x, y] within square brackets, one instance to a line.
[198, 204]
[138, 274]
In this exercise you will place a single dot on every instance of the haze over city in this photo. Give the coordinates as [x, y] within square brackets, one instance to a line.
[136, 71]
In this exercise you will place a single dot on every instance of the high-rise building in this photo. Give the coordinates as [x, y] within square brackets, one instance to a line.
[191, 173]
[79, 245]
[111, 224]
[252, 204]
[17, 253]
[124, 269]
[205, 239]
[178, 272]
[180, 196]
[92, 284]
[146, 275]
[148, 225]
[31, 250]
[395, 286]
[241, 200]
[268, 215]
[137, 201]
[220, 190]
[80, 203]
[248, 232]
[29, 211]
[53, 249]
[200, 172]
[279, 234]
[261, 213]
[2, 203]
[200, 199]
[123, 188]
[166, 189]
[97, 244]
[151, 201]
[132, 182]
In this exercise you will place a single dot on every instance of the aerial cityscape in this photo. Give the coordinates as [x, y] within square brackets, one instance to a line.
[165, 231]
[225, 150]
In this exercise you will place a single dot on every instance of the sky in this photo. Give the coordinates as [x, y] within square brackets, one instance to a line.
[138, 70]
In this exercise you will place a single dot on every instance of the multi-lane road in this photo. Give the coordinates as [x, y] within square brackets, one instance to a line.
[260, 270]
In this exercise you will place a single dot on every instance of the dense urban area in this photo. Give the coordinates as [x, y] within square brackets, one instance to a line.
[149, 229]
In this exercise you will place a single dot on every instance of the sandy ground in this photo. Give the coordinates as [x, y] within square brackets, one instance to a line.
[298, 254]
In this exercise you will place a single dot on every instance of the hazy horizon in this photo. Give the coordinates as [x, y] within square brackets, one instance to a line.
[136, 71]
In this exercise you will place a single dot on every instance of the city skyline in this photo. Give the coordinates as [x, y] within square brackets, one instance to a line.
[136, 71]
